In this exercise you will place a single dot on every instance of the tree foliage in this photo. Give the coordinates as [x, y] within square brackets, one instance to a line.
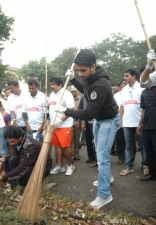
[118, 53]
[6, 24]
[65, 59]
[36, 70]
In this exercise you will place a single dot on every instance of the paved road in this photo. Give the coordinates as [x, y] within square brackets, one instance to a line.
[129, 193]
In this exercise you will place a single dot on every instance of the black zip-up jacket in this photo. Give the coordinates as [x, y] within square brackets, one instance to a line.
[28, 156]
[98, 93]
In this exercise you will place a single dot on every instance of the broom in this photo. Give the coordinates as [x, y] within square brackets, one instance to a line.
[144, 30]
[29, 205]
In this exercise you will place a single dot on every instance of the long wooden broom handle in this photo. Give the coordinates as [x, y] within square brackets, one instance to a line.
[67, 80]
[143, 27]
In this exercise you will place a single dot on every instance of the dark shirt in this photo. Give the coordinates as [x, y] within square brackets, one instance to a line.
[28, 156]
[148, 102]
[98, 93]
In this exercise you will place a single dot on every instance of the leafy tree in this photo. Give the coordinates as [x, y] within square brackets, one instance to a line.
[6, 24]
[36, 70]
[65, 59]
[117, 53]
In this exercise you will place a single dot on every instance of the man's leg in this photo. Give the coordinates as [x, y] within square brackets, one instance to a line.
[129, 134]
[59, 154]
[70, 166]
[76, 140]
[73, 142]
[13, 163]
[68, 155]
[24, 129]
[150, 146]
[29, 134]
[104, 133]
[120, 145]
[22, 181]
[89, 143]
[3, 143]
[143, 150]
[59, 167]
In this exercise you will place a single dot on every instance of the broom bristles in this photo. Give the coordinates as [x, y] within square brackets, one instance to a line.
[29, 205]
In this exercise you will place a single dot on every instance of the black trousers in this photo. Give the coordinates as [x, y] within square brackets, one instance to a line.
[23, 180]
[89, 140]
[120, 144]
[150, 146]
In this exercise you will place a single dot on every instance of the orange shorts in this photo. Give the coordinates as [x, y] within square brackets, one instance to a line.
[62, 137]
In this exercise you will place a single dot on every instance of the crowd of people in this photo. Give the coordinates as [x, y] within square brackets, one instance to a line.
[106, 119]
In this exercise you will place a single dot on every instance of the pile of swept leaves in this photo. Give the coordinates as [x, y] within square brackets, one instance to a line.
[53, 209]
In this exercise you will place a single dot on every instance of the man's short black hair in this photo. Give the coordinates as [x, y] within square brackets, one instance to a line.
[32, 81]
[13, 132]
[14, 83]
[117, 84]
[122, 81]
[132, 72]
[85, 57]
[7, 89]
[57, 80]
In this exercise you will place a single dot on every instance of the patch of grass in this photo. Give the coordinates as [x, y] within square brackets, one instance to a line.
[54, 209]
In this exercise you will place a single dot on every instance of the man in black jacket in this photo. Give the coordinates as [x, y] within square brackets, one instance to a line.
[103, 108]
[26, 154]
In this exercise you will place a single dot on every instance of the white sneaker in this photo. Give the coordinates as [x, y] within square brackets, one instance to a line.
[58, 169]
[70, 170]
[99, 202]
[95, 183]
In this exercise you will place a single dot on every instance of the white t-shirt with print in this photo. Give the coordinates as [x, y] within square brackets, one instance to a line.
[2, 124]
[130, 100]
[67, 101]
[15, 104]
[34, 107]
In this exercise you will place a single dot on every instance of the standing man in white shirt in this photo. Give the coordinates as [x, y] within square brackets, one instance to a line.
[33, 111]
[131, 112]
[62, 134]
[15, 104]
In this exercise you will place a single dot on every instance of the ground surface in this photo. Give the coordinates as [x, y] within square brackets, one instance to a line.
[129, 193]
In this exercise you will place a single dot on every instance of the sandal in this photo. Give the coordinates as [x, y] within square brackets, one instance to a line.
[126, 172]
[145, 170]
[120, 162]
[94, 165]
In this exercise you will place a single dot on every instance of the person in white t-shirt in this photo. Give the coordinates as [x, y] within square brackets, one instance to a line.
[131, 112]
[33, 111]
[62, 134]
[15, 104]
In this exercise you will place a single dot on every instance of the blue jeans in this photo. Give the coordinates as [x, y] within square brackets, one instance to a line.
[104, 133]
[38, 136]
[130, 150]
[3, 143]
